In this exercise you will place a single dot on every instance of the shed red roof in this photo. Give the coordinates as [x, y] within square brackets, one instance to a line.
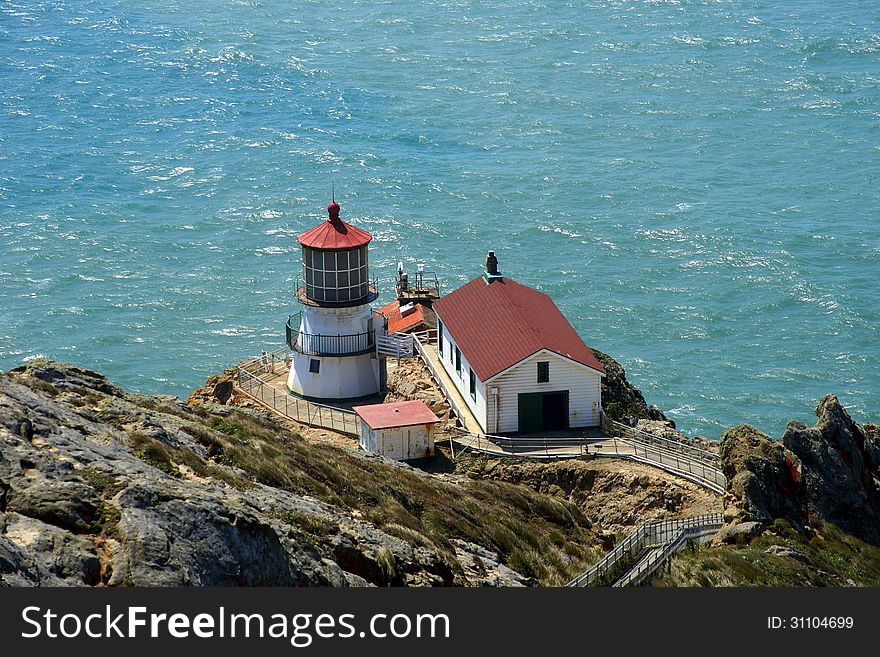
[498, 324]
[334, 234]
[397, 323]
[396, 414]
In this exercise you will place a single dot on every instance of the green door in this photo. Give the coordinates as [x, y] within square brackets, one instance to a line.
[554, 411]
[543, 411]
[531, 416]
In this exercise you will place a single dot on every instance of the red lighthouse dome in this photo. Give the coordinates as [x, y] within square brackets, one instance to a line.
[334, 234]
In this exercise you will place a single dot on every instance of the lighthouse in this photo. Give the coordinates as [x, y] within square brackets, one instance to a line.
[333, 337]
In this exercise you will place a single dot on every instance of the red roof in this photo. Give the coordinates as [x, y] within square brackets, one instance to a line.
[498, 324]
[396, 414]
[398, 323]
[334, 234]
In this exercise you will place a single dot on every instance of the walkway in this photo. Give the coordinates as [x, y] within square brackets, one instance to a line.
[265, 381]
[431, 358]
[643, 552]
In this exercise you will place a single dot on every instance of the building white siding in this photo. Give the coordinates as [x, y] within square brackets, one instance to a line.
[584, 386]
[462, 380]
[400, 443]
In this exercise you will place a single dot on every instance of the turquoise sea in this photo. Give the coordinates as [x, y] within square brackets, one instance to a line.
[696, 183]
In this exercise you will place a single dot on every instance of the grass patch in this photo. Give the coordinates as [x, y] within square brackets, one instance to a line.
[153, 404]
[151, 451]
[43, 386]
[538, 535]
[104, 484]
[107, 522]
[831, 558]
[316, 527]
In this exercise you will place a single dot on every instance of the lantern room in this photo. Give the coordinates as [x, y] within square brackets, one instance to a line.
[335, 263]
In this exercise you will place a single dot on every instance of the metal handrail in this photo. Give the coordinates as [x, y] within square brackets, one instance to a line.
[304, 412]
[418, 283]
[648, 534]
[316, 344]
[646, 567]
[671, 445]
[507, 441]
[707, 475]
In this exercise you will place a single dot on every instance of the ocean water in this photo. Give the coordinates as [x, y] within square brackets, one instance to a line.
[694, 182]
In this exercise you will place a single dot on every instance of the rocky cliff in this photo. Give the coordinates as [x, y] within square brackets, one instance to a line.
[800, 511]
[99, 486]
[829, 472]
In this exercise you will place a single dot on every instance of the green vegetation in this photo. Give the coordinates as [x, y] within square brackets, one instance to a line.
[107, 523]
[620, 399]
[829, 558]
[315, 526]
[104, 484]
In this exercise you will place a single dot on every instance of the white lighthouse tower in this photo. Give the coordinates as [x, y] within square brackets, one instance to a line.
[333, 337]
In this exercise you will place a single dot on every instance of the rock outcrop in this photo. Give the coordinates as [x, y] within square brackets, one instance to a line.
[840, 470]
[830, 472]
[218, 389]
[763, 478]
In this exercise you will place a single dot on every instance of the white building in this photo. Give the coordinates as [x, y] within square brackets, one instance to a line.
[333, 338]
[517, 362]
[399, 430]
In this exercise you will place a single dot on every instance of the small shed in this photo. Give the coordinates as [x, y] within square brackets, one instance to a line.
[399, 430]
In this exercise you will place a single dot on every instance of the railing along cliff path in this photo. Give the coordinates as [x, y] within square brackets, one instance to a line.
[628, 563]
[250, 380]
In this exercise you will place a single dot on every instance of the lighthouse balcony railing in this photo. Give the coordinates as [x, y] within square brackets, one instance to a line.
[316, 344]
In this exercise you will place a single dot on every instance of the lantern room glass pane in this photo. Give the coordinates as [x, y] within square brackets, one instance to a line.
[336, 276]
